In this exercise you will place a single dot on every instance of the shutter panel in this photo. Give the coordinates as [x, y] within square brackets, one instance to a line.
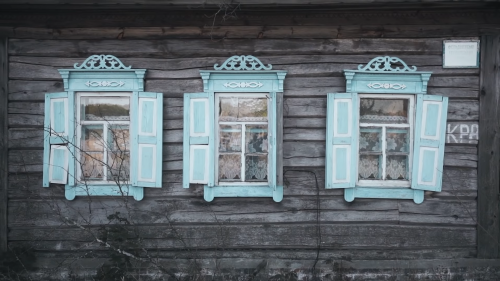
[275, 177]
[198, 139]
[428, 153]
[342, 140]
[147, 141]
[58, 171]
[56, 138]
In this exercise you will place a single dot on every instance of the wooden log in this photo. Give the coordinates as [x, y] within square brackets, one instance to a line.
[44, 68]
[53, 259]
[283, 236]
[489, 153]
[249, 32]
[271, 16]
[202, 48]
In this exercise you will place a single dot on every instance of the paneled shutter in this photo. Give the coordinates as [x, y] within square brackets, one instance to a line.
[198, 155]
[341, 140]
[429, 142]
[147, 139]
[56, 138]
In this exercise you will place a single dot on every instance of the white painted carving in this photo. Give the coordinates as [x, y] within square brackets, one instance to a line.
[104, 83]
[395, 86]
[243, 85]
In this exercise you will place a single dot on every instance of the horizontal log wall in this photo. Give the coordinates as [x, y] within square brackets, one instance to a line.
[443, 226]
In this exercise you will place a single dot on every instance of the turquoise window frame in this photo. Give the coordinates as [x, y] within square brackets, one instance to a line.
[381, 76]
[104, 73]
[237, 75]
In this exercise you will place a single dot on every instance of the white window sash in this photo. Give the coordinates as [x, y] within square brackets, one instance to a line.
[411, 127]
[243, 124]
[80, 123]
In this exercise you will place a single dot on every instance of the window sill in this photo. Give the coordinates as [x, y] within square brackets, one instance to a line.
[243, 191]
[104, 190]
[384, 193]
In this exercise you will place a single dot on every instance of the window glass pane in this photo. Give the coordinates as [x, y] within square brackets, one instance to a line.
[370, 139]
[92, 138]
[396, 167]
[92, 166]
[384, 111]
[397, 140]
[230, 167]
[118, 166]
[252, 109]
[256, 168]
[105, 108]
[118, 138]
[229, 138]
[369, 167]
[256, 138]
[243, 109]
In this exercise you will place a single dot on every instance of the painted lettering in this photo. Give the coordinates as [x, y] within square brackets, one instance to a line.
[462, 133]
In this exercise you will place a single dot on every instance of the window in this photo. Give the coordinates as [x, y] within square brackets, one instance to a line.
[232, 139]
[242, 133]
[103, 136]
[385, 140]
[103, 131]
[385, 137]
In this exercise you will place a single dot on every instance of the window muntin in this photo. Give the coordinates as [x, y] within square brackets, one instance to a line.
[103, 133]
[242, 127]
[385, 140]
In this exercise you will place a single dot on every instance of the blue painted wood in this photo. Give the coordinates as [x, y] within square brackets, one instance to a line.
[384, 193]
[200, 158]
[238, 74]
[242, 63]
[272, 140]
[199, 117]
[381, 76]
[431, 126]
[146, 154]
[147, 117]
[264, 81]
[196, 140]
[428, 158]
[149, 145]
[329, 142]
[341, 140]
[249, 191]
[341, 163]
[106, 73]
[72, 138]
[428, 152]
[61, 136]
[59, 164]
[211, 140]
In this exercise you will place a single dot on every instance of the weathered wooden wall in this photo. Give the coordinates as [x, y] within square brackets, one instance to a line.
[442, 227]
[3, 142]
[489, 150]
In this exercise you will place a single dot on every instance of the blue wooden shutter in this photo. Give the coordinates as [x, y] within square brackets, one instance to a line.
[429, 142]
[147, 139]
[198, 153]
[341, 140]
[56, 139]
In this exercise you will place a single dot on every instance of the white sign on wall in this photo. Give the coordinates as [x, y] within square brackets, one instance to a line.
[461, 53]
